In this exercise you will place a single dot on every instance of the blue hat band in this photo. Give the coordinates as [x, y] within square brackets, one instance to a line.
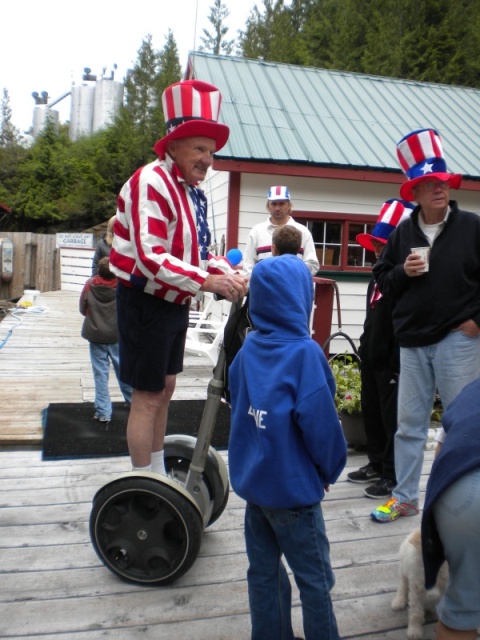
[426, 167]
[382, 230]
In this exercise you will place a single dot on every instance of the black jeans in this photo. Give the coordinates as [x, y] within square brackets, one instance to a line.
[379, 407]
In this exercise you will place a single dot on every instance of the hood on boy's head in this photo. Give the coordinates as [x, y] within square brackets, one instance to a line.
[281, 295]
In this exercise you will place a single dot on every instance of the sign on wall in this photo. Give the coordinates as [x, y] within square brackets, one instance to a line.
[77, 240]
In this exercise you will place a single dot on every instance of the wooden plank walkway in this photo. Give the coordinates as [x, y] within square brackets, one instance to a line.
[53, 585]
[45, 360]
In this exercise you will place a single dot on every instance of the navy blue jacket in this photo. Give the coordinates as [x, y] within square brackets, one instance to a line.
[460, 453]
[286, 442]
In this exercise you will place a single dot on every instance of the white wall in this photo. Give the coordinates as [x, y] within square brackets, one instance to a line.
[75, 268]
[216, 190]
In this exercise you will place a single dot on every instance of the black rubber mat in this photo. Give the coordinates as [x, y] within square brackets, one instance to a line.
[70, 431]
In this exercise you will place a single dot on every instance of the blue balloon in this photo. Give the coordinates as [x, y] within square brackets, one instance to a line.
[234, 256]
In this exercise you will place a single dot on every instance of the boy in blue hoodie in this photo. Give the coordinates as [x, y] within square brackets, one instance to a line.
[286, 447]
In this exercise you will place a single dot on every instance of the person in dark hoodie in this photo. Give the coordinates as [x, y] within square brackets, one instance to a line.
[451, 516]
[99, 306]
[104, 246]
[380, 365]
[286, 448]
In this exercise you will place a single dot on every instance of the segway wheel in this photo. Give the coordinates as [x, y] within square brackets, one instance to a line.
[179, 450]
[144, 531]
[177, 467]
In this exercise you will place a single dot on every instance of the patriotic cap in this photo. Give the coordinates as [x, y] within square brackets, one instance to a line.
[421, 156]
[278, 193]
[391, 214]
[191, 108]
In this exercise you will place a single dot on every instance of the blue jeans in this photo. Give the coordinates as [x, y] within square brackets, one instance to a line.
[446, 366]
[299, 534]
[101, 355]
[457, 514]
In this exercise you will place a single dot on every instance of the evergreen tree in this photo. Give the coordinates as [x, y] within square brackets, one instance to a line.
[168, 73]
[140, 95]
[215, 42]
[11, 152]
[47, 181]
[265, 36]
[9, 135]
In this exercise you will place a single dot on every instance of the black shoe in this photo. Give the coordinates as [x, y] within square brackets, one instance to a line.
[364, 474]
[381, 489]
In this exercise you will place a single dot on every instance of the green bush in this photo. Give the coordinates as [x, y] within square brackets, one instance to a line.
[346, 371]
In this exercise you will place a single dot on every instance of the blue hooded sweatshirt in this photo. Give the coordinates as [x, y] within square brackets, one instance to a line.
[286, 442]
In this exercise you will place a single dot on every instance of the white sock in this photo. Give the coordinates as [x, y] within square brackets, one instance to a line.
[147, 468]
[158, 462]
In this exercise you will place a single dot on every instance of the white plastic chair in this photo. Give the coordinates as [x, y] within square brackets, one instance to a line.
[205, 331]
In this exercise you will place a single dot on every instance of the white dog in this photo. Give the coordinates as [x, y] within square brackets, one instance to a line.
[411, 589]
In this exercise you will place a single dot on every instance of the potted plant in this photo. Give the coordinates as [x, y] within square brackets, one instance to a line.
[346, 371]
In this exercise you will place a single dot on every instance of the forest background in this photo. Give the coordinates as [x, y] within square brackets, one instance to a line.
[58, 185]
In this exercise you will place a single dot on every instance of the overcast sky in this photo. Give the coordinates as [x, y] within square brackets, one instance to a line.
[46, 44]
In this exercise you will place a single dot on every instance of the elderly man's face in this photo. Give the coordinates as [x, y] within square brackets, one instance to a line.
[193, 156]
[432, 194]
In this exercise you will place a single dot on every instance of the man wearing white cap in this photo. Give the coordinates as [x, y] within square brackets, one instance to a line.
[436, 316]
[160, 255]
[259, 242]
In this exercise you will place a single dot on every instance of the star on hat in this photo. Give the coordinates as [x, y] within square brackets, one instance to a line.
[420, 155]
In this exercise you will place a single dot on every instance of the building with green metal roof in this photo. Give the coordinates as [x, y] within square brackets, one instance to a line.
[330, 136]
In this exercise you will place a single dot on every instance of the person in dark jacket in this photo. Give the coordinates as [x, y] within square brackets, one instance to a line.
[451, 517]
[380, 365]
[104, 246]
[286, 447]
[99, 306]
[436, 316]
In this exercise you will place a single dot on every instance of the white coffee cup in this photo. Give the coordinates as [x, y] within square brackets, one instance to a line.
[424, 253]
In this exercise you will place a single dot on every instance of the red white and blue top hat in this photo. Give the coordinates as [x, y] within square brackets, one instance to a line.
[191, 108]
[278, 193]
[421, 157]
[391, 214]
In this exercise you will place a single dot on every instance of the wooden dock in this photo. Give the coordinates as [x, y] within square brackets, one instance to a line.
[52, 583]
[45, 359]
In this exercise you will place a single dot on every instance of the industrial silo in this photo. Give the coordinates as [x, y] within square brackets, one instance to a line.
[108, 100]
[42, 114]
[81, 110]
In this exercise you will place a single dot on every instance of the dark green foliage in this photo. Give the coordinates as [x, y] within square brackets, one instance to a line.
[424, 40]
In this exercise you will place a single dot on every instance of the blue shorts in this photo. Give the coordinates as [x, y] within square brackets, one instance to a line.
[152, 335]
[457, 515]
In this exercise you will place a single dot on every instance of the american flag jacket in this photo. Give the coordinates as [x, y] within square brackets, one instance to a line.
[159, 222]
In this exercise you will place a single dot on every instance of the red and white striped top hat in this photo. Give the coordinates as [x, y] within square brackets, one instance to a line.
[391, 214]
[191, 108]
[420, 155]
[278, 193]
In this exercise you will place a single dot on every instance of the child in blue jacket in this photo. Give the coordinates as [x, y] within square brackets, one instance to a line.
[286, 447]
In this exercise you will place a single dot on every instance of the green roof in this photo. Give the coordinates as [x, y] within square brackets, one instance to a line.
[286, 113]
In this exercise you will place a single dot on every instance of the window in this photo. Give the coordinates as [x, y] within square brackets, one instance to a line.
[335, 240]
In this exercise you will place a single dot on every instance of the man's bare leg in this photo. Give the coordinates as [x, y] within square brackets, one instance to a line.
[445, 633]
[147, 422]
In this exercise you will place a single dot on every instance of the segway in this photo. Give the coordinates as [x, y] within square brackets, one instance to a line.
[146, 528]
